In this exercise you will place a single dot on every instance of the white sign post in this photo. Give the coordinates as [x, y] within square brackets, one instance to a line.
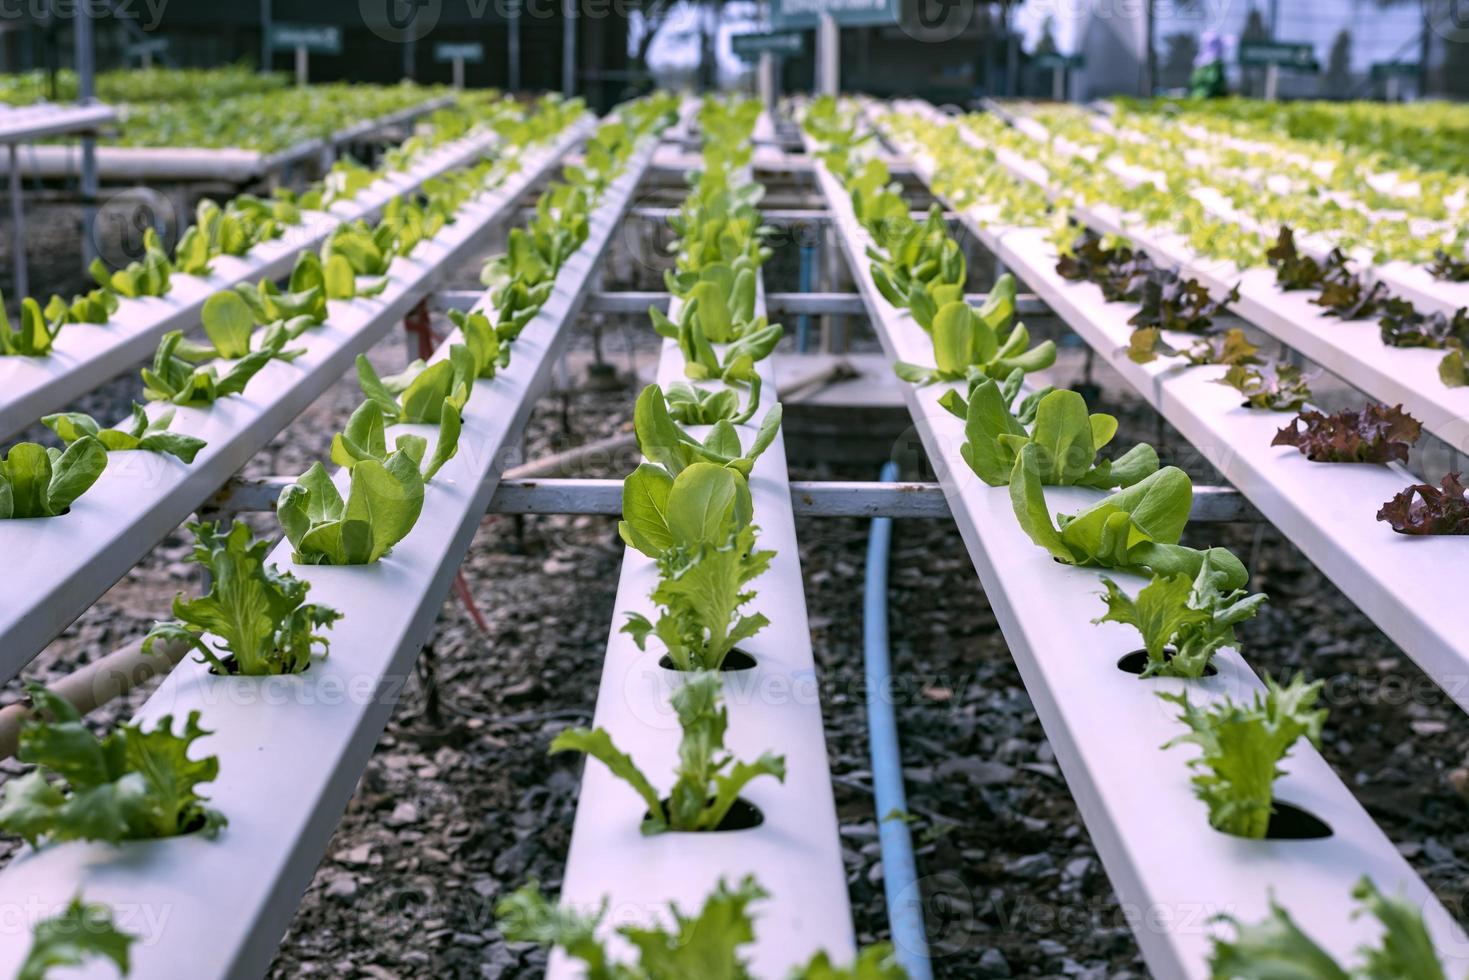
[304, 39]
[458, 53]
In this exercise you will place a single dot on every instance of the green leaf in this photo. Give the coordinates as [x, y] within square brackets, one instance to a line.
[1159, 612]
[1242, 745]
[644, 524]
[259, 614]
[78, 933]
[1275, 949]
[1406, 950]
[229, 323]
[74, 472]
[701, 503]
[598, 744]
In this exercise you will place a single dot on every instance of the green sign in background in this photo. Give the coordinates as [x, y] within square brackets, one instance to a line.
[852, 13]
[751, 46]
[316, 38]
[1285, 54]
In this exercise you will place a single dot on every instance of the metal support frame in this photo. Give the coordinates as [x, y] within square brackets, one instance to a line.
[636, 303]
[86, 65]
[809, 498]
[568, 47]
[828, 55]
[512, 46]
[17, 231]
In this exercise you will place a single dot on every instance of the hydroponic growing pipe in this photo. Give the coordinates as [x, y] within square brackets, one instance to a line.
[899, 873]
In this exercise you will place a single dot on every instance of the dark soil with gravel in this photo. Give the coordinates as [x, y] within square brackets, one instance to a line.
[460, 804]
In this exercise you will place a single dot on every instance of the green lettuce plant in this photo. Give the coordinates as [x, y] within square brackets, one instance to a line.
[40, 481]
[37, 333]
[80, 932]
[259, 614]
[383, 503]
[1183, 623]
[705, 945]
[130, 785]
[1069, 438]
[147, 277]
[365, 437]
[664, 441]
[143, 433]
[174, 376]
[697, 527]
[708, 779]
[1134, 529]
[1242, 745]
[1277, 947]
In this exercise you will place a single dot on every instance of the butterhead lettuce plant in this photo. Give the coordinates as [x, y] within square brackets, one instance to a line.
[37, 481]
[697, 527]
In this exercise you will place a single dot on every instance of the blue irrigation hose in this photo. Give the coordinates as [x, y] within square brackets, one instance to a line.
[899, 872]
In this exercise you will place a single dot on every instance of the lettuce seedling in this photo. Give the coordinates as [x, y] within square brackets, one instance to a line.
[1229, 348]
[697, 527]
[1427, 509]
[1133, 529]
[721, 297]
[1277, 947]
[149, 277]
[36, 335]
[37, 481]
[79, 932]
[1183, 623]
[1055, 421]
[1242, 746]
[365, 437]
[706, 945]
[131, 785]
[145, 434]
[259, 615]
[173, 378]
[967, 344]
[1279, 387]
[491, 351]
[421, 392]
[1377, 434]
[664, 441]
[708, 779]
[699, 406]
[382, 505]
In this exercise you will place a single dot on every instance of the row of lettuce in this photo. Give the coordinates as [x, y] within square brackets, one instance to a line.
[248, 220]
[689, 508]
[231, 107]
[1162, 177]
[1025, 439]
[245, 327]
[1171, 305]
[254, 621]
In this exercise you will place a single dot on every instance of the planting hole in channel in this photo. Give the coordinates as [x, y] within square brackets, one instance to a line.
[1290, 822]
[1137, 661]
[742, 816]
[736, 659]
[232, 669]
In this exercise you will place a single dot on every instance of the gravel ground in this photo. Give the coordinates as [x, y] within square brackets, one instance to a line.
[459, 803]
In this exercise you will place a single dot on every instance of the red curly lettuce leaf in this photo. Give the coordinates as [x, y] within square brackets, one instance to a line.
[1377, 434]
[1426, 509]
